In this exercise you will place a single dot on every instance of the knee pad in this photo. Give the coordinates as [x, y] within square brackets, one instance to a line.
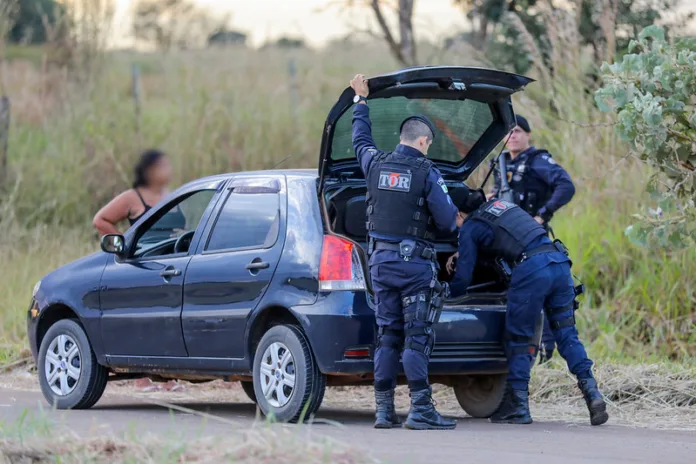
[390, 338]
[422, 332]
[557, 319]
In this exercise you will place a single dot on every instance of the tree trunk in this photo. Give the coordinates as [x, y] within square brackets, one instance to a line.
[4, 137]
[483, 33]
[405, 50]
[408, 41]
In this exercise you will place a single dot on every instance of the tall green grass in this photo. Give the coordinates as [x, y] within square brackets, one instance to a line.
[73, 145]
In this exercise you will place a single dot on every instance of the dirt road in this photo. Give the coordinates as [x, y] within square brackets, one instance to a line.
[472, 441]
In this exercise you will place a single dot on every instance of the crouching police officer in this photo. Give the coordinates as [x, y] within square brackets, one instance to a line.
[407, 202]
[539, 186]
[540, 278]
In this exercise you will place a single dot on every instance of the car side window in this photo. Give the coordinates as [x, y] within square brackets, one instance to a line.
[179, 219]
[249, 219]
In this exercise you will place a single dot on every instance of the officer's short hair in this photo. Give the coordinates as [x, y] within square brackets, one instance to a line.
[467, 200]
[413, 128]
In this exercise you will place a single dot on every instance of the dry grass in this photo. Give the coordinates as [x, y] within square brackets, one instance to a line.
[278, 445]
[643, 395]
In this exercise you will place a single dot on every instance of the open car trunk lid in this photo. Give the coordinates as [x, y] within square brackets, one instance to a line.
[470, 107]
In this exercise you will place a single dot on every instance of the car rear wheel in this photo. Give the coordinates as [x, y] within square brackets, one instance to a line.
[287, 382]
[480, 395]
[69, 374]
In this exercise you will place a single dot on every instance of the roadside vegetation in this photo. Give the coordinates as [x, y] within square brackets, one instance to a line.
[36, 438]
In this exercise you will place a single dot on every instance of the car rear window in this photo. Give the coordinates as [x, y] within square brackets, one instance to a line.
[459, 125]
[246, 221]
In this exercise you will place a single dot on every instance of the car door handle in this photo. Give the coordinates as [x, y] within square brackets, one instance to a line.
[257, 265]
[170, 272]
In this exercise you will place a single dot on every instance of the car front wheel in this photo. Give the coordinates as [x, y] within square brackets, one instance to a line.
[69, 374]
[480, 395]
[248, 388]
[287, 383]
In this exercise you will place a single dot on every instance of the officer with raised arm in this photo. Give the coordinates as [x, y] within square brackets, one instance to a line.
[407, 202]
[540, 280]
[540, 186]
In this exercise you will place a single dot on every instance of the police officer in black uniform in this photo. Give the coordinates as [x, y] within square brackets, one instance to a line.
[540, 186]
[407, 202]
[540, 280]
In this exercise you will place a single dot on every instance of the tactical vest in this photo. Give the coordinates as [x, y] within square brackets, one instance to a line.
[396, 203]
[514, 228]
[529, 193]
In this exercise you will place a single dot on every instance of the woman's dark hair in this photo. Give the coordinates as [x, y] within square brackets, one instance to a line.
[148, 158]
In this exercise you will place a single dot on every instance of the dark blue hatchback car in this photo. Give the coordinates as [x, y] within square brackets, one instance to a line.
[268, 283]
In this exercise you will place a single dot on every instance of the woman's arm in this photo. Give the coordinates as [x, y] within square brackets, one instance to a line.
[114, 212]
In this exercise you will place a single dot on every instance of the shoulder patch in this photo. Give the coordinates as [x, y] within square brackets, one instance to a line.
[394, 181]
[499, 207]
[441, 183]
[372, 150]
[549, 159]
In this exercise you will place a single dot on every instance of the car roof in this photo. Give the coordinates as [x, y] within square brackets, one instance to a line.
[217, 178]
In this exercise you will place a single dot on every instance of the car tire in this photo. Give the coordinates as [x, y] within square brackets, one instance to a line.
[248, 388]
[287, 402]
[318, 393]
[480, 395]
[70, 356]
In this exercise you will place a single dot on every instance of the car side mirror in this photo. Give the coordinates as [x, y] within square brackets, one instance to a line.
[113, 243]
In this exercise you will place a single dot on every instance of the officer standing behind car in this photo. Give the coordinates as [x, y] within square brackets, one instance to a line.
[407, 202]
[540, 280]
[540, 186]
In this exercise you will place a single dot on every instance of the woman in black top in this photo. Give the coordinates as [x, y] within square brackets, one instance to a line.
[153, 174]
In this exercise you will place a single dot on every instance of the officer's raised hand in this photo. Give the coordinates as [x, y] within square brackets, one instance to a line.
[359, 84]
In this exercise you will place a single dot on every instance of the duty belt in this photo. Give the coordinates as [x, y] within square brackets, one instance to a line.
[545, 248]
[424, 251]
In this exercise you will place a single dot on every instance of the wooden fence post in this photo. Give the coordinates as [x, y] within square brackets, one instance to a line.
[4, 137]
[292, 73]
[136, 96]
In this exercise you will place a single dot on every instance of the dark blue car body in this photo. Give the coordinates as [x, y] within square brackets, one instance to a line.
[196, 313]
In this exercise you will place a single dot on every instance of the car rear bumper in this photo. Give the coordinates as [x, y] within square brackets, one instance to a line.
[468, 338]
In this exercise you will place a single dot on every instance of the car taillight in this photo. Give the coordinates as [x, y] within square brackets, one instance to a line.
[340, 267]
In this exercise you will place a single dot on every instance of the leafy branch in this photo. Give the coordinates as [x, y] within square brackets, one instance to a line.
[651, 91]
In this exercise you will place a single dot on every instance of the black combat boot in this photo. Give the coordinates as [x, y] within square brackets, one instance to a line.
[594, 400]
[385, 417]
[423, 415]
[514, 408]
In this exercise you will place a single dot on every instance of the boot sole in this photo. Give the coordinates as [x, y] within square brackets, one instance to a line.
[598, 414]
[387, 426]
[421, 426]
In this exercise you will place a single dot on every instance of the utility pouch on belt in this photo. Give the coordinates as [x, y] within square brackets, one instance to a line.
[504, 270]
[561, 247]
[406, 248]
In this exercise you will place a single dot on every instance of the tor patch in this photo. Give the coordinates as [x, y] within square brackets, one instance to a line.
[394, 181]
[441, 183]
[497, 208]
